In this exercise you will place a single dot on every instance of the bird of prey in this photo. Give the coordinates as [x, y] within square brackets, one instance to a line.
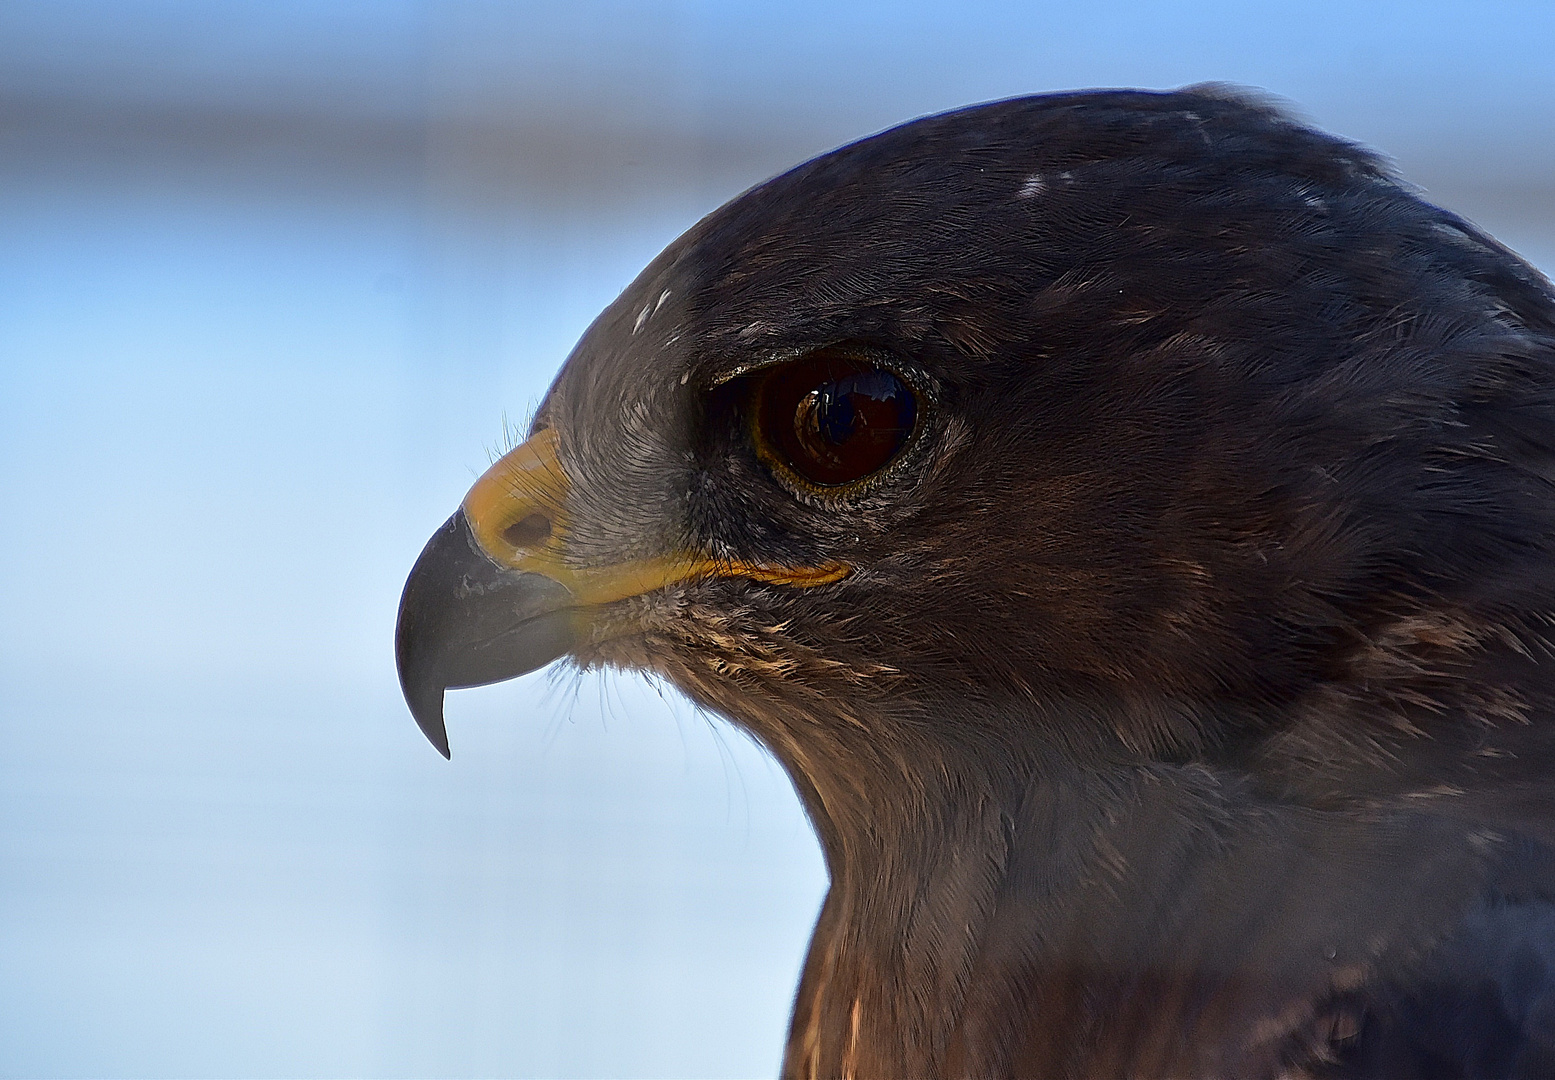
[1129, 518]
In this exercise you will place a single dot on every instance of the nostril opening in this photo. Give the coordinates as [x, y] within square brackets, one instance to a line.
[528, 532]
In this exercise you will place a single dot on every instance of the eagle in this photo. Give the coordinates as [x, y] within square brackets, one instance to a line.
[1129, 518]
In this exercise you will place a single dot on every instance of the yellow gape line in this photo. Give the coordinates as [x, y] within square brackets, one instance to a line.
[518, 514]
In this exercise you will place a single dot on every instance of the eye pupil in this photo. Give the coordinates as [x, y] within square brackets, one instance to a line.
[834, 414]
[825, 420]
[834, 418]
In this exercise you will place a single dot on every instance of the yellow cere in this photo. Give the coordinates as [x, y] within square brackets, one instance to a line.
[518, 513]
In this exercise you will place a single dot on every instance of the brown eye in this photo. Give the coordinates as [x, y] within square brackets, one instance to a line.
[834, 418]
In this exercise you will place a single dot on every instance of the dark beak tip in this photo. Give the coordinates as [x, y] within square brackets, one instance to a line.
[431, 725]
[419, 680]
[441, 745]
[426, 706]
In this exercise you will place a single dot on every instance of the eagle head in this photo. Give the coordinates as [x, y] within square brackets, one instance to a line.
[1125, 430]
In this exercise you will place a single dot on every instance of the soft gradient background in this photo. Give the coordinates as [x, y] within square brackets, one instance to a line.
[273, 278]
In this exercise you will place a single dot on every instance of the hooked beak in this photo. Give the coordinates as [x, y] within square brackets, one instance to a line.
[495, 594]
[465, 621]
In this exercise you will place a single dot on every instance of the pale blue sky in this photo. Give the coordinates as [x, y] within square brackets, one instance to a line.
[272, 276]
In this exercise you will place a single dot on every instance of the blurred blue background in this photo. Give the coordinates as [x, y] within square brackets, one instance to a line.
[273, 278]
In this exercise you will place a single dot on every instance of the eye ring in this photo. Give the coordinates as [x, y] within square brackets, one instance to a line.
[833, 419]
